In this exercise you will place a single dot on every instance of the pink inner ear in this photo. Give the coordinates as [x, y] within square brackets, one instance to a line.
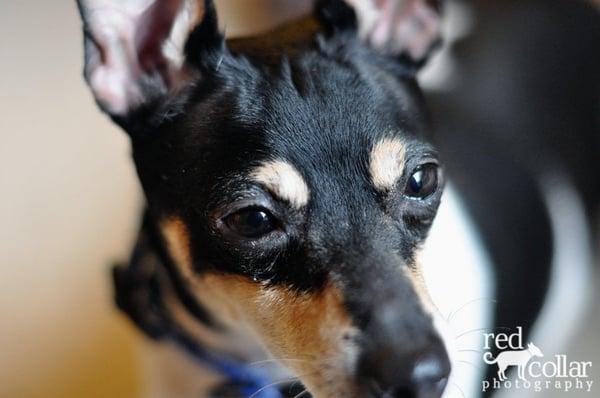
[398, 26]
[154, 26]
[113, 68]
[129, 38]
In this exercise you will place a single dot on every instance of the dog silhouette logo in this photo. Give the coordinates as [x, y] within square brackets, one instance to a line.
[513, 358]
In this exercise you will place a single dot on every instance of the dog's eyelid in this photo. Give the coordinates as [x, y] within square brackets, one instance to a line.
[229, 208]
[280, 203]
[416, 160]
[421, 151]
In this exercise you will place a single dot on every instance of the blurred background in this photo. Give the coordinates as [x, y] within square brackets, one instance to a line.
[69, 207]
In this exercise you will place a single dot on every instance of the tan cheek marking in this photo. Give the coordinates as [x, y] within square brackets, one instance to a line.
[387, 163]
[439, 321]
[417, 280]
[306, 327]
[284, 181]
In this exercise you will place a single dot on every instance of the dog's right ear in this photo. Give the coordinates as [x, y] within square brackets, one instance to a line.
[408, 30]
[139, 52]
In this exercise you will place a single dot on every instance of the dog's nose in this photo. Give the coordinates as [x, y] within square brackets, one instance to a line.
[413, 374]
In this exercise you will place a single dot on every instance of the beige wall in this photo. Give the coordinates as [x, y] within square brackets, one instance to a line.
[69, 204]
[68, 207]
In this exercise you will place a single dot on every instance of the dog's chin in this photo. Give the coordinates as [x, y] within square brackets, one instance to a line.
[327, 380]
[327, 384]
[337, 388]
[344, 389]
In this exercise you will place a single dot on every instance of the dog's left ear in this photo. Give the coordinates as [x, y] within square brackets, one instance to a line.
[137, 52]
[405, 29]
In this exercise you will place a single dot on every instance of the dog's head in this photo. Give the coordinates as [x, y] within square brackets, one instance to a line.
[290, 176]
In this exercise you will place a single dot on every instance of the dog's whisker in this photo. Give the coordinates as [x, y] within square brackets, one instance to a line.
[275, 258]
[301, 393]
[275, 360]
[459, 389]
[465, 305]
[480, 330]
[376, 387]
[295, 382]
[477, 351]
[283, 380]
[312, 359]
[468, 363]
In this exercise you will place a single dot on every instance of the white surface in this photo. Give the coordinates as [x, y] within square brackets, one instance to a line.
[459, 277]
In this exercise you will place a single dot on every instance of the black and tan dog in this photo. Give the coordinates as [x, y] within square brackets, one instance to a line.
[291, 185]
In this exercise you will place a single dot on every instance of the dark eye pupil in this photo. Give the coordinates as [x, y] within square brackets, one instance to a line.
[250, 223]
[256, 219]
[423, 182]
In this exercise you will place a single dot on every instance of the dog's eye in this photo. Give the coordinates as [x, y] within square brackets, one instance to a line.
[251, 222]
[422, 182]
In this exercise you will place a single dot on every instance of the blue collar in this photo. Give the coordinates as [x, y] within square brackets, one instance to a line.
[248, 381]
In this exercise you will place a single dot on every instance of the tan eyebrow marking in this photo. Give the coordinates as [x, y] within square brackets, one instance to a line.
[387, 163]
[284, 181]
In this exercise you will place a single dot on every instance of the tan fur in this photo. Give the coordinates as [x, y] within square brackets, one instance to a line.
[284, 181]
[176, 235]
[417, 280]
[387, 163]
[307, 330]
[439, 321]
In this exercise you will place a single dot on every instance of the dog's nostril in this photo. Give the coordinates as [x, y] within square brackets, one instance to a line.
[430, 376]
[429, 370]
[416, 375]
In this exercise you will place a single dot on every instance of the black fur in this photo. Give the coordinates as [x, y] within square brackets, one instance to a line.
[321, 108]
[205, 44]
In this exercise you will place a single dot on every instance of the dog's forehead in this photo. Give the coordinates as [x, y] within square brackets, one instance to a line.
[321, 117]
[311, 111]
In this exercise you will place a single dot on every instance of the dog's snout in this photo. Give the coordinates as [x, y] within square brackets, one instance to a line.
[401, 352]
[391, 372]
